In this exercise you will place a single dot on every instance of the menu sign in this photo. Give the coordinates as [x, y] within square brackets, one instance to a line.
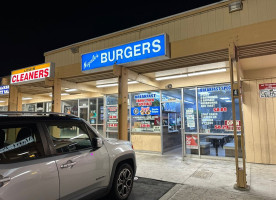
[267, 90]
[190, 118]
[112, 117]
[214, 109]
[145, 113]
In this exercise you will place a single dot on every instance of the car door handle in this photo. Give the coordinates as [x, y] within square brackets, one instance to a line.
[5, 179]
[68, 164]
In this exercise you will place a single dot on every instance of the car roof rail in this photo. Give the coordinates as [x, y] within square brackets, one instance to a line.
[28, 113]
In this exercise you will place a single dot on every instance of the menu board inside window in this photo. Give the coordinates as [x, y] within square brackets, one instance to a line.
[215, 109]
[145, 112]
[112, 118]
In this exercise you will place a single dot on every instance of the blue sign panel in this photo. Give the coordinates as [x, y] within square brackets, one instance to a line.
[153, 47]
[154, 110]
[4, 89]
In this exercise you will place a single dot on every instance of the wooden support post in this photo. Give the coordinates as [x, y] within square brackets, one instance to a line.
[56, 96]
[15, 99]
[5, 81]
[122, 74]
[241, 183]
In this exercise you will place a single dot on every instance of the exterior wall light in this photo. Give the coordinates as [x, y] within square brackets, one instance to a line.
[235, 6]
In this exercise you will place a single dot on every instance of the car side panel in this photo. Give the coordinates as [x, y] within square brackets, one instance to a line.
[36, 179]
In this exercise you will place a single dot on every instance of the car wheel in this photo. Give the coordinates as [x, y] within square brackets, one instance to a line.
[123, 182]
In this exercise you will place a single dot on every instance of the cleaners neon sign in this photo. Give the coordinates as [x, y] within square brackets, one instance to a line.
[142, 51]
[32, 74]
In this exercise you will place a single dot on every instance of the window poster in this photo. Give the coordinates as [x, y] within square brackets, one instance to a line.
[191, 142]
[145, 112]
[190, 117]
[215, 109]
[112, 117]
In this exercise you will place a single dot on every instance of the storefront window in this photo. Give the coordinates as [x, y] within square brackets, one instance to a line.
[70, 107]
[171, 120]
[100, 115]
[83, 102]
[215, 109]
[29, 107]
[96, 113]
[111, 113]
[190, 113]
[216, 120]
[145, 112]
[3, 108]
[93, 112]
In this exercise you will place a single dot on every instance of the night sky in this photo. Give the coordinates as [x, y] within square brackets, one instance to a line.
[29, 30]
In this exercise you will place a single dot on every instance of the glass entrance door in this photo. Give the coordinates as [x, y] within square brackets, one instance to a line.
[84, 113]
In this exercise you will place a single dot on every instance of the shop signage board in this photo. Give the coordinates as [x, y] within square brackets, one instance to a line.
[138, 52]
[154, 110]
[267, 90]
[4, 89]
[32, 74]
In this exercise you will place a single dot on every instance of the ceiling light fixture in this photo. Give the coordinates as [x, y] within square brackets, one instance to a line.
[70, 90]
[207, 72]
[191, 74]
[26, 98]
[62, 94]
[115, 84]
[171, 77]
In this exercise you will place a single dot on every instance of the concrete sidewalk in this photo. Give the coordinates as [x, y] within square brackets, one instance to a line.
[206, 178]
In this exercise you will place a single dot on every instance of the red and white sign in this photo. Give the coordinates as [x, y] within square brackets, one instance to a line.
[228, 125]
[222, 109]
[191, 142]
[31, 74]
[144, 102]
[267, 90]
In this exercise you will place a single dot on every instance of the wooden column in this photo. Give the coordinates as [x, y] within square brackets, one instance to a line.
[56, 95]
[241, 183]
[15, 99]
[122, 74]
[5, 81]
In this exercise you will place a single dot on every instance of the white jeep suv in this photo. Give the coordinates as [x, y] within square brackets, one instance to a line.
[55, 156]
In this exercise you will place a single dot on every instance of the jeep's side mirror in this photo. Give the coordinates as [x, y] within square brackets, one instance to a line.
[97, 142]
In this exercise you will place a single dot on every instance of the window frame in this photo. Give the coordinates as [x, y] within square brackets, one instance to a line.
[41, 134]
[74, 123]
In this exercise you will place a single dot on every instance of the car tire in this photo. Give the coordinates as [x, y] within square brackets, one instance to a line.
[122, 182]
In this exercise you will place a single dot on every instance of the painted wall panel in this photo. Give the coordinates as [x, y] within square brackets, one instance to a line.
[259, 123]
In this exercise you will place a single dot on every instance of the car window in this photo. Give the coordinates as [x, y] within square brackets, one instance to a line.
[68, 137]
[20, 143]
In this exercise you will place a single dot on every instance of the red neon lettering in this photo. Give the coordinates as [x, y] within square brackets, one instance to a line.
[13, 78]
[26, 77]
[21, 77]
[46, 72]
[41, 73]
[31, 75]
[17, 78]
[35, 74]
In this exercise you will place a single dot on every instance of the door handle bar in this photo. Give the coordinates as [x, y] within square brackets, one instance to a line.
[5, 179]
[68, 165]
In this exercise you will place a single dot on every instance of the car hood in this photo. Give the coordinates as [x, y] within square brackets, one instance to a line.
[115, 141]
